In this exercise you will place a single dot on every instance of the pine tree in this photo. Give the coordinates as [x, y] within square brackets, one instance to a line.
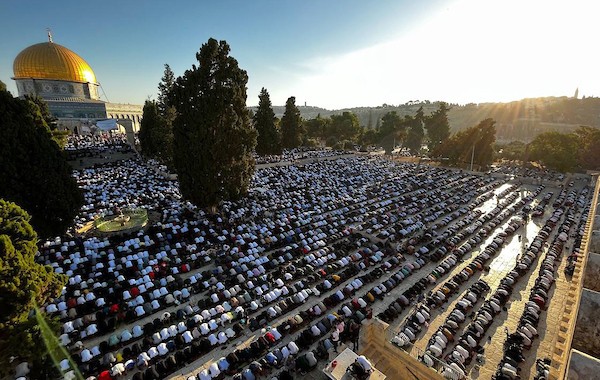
[43, 118]
[33, 171]
[164, 90]
[213, 139]
[475, 143]
[344, 127]
[23, 284]
[415, 134]
[151, 133]
[269, 141]
[437, 126]
[291, 125]
[392, 130]
[166, 113]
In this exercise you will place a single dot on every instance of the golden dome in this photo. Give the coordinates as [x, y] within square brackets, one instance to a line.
[48, 60]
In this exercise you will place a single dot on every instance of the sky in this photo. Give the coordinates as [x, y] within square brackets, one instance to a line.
[327, 53]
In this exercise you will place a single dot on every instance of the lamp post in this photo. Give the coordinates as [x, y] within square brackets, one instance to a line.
[478, 133]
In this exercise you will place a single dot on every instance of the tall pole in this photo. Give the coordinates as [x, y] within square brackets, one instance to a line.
[472, 156]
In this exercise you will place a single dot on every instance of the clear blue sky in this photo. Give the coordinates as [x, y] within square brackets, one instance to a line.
[331, 53]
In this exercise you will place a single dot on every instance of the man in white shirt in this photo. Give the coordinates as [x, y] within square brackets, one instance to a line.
[364, 364]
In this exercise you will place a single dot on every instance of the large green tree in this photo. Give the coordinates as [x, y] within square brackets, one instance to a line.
[415, 134]
[167, 82]
[437, 126]
[269, 140]
[42, 117]
[514, 151]
[291, 125]
[153, 134]
[213, 139]
[344, 127]
[317, 127]
[392, 130]
[33, 170]
[589, 147]
[474, 144]
[23, 285]
[163, 136]
[557, 151]
[369, 137]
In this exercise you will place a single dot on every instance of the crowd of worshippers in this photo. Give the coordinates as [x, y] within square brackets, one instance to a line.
[529, 172]
[147, 304]
[293, 155]
[571, 208]
[98, 144]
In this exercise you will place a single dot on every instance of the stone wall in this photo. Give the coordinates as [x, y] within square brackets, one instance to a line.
[389, 359]
[591, 280]
[583, 367]
[586, 337]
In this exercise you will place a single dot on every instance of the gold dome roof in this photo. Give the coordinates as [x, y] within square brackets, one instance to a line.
[48, 60]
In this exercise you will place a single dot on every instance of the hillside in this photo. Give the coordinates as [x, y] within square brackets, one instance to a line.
[518, 120]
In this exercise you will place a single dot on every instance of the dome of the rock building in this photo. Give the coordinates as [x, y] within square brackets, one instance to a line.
[48, 60]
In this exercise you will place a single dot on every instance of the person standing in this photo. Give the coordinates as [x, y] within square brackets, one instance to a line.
[354, 331]
[335, 339]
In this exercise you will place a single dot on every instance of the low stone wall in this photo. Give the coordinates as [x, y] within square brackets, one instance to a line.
[583, 367]
[591, 279]
[389, 359]
[586, 337]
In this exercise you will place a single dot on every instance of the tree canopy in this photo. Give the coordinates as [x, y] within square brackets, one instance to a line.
[43, 118]
[213, 139]
[557, 151]
[476, 143]
[338, 128]
[23, 285]
[33, 170]
[317, 127]
[164, 90]
[589, 147]
[391, 131]
[344, 126]
[514, 150]
[415, 133]
[269, 140]
[291, 125]
[155, 138]
[437, 126]
[157, 132]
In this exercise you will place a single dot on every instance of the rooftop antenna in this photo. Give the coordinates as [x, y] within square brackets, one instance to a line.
[49, 31]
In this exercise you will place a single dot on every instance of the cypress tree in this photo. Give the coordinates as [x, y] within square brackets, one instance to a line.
[416, 133]
[23, 284]
[151, 133]
[269, 141]
[213, 139]
[33, 170]
[291, 125]
[164, 90]
[438, 126]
